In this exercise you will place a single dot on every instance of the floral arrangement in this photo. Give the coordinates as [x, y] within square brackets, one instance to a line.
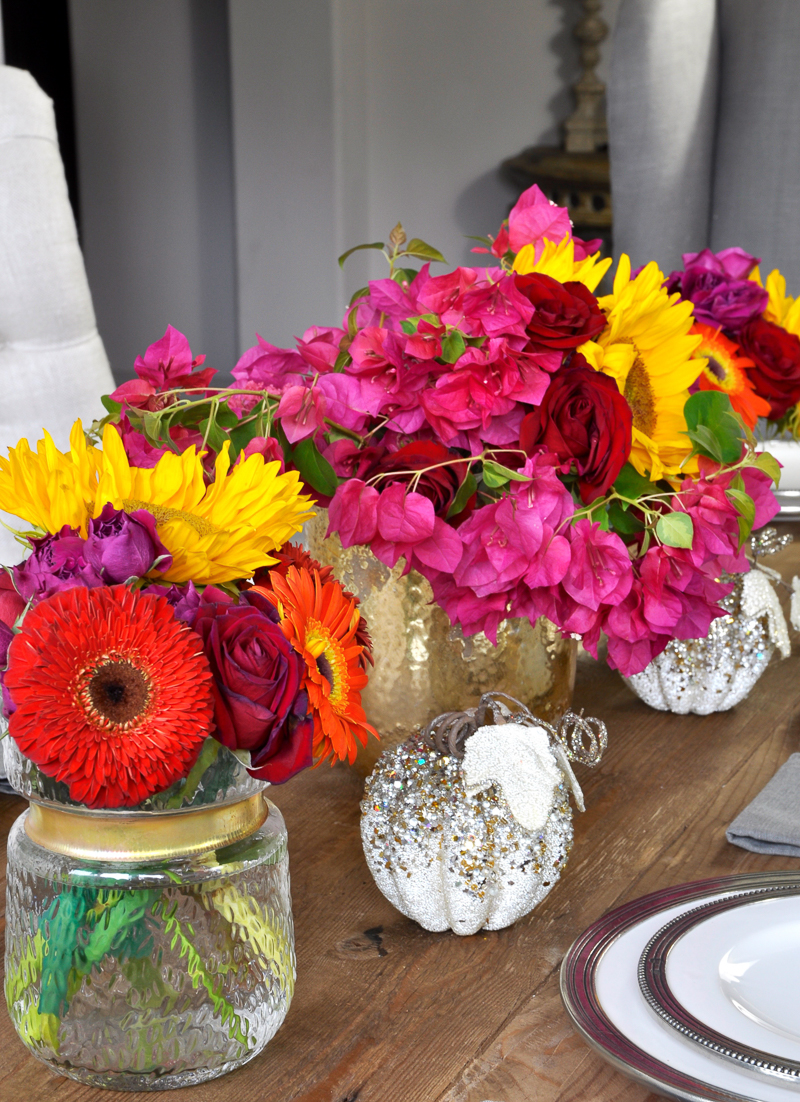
[161, 605]
[750, 334]
[529, 448]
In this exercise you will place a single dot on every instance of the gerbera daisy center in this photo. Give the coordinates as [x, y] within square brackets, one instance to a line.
[640, 397]
[119, 691]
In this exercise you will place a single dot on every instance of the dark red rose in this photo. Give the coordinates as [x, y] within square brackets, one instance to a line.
[439, 485]
[776, 356]
[565, 314]
[259, 705]
[583, 419]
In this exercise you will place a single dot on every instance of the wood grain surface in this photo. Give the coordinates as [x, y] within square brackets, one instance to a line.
[386, 1012]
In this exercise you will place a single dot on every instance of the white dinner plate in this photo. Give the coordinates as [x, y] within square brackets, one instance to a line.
[600, 988]
[733, 975]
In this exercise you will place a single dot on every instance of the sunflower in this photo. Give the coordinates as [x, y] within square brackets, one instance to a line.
[558, 261]
[215, 533]
[49, 488]
[725, 371]
[781, 309]
[648, 349]
[112, 694]
[322, 624]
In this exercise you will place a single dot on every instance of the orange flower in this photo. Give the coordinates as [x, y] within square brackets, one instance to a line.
[322, 623]
[726, 370]
[112, 693]
[292, 554]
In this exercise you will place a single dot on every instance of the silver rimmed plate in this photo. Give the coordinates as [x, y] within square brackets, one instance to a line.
[726, 975]
[600, 989]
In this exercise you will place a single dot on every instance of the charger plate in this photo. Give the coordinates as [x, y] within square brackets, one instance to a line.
[600, 989]
[726, 976]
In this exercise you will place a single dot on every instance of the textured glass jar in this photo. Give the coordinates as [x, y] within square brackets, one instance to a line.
[149, 949]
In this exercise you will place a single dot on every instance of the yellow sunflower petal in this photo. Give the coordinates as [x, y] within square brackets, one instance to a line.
[558, 261]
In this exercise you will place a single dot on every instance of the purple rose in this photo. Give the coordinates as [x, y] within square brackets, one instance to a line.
[259, 701]
[124, 545]
[718, 286]
[184, 599]
[57, 562]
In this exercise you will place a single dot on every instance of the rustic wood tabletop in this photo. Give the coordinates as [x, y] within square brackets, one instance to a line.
[386, 1012]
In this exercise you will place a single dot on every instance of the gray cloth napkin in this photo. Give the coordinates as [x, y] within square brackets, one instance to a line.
[771, 822]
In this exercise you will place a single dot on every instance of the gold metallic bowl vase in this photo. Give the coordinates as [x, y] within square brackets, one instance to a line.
[424, 666]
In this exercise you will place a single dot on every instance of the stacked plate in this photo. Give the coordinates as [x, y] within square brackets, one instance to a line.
[695, 990]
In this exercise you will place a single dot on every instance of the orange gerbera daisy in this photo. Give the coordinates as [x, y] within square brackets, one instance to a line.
[726, 370]
[321, 623]
[112, 694]
[292, 554]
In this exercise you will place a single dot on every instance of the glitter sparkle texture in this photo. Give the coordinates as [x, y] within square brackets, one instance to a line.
[715, 673]
[453, 861]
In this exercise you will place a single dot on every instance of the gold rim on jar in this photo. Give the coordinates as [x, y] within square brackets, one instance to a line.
[142, 837]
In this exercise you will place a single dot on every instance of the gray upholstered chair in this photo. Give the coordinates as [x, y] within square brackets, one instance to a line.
[704, 126]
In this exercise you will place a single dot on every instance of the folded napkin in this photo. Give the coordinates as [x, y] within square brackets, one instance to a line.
[771, 822]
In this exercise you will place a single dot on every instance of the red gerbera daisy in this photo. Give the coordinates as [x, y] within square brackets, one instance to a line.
[112, 693]
[321, 623]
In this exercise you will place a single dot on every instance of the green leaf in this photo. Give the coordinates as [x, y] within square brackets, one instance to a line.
[629, 483]
[314, 468]
[622, 520]
[453, 346]
[341, 362]
[712, 410]
[213, 434]
[706, 443]
[114, 408]
[286, 447]
[226, 417]
[240, 437]
[487, 241]
[422, 250]
[675, 529]
[409, 327]
[151, 425]
[465, 491]
[358, 248]
[362, 292]
[404, 275]
[769, 465]
[496, 475]
[745, 507]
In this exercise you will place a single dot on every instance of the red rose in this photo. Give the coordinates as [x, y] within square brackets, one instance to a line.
[258, 702]
[776, 356]
[583, 419]
[565, 314]
[439, 485]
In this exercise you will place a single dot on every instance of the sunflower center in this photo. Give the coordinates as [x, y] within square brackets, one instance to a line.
[639, 396]
[119, 692]
[163, 514]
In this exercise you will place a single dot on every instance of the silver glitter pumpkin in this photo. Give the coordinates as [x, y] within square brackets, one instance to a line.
[715, 673]
[460, 835]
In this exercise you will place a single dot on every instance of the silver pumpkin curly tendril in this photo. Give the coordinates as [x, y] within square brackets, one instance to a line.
[583, 740]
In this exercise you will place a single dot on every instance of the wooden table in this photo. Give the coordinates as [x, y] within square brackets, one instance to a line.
[385, 1012]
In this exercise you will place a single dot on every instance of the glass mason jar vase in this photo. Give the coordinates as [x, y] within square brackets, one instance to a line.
[148, 948]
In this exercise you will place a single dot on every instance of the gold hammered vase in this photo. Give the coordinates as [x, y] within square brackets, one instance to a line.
[423, 665]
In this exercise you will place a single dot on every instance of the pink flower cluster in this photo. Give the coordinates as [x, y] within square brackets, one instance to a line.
[433, 377]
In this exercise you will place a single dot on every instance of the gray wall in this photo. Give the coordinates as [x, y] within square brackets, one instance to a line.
[345, 115]
[153, 119]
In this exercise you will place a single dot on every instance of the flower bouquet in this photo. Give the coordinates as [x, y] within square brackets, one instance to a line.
[167, 654]
[529, 449]
[750, 334]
